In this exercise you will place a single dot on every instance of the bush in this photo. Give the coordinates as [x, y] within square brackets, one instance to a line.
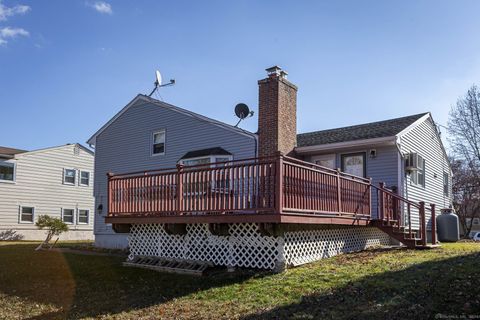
[54, 226]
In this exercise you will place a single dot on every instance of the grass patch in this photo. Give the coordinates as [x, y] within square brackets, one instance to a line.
[380, 284]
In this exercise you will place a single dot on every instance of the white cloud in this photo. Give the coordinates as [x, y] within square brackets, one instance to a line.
[6, 12]
[102, 7]
[7, 33]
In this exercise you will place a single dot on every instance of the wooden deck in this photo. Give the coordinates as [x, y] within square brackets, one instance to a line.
[275, 189]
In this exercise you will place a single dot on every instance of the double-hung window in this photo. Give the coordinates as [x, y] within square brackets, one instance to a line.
[68, 216]
[69, 176]
[418, 176]
[83, 216]
[7, 171]
[84, 178]
[158, 142]
[27, 214]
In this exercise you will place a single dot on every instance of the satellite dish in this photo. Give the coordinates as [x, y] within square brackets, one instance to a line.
[158, 80]
[242, 111]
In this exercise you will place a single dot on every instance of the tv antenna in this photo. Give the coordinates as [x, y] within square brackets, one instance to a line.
[158, 82]
[242, 111]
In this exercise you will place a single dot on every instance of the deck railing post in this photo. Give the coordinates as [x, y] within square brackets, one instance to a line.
[423, 227]
[279, 183]
[381, 199]
[370, 198]
[179, 182]
[339, 192]
[434, 224]
[109, 193]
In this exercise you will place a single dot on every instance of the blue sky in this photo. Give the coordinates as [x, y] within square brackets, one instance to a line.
[66, 67]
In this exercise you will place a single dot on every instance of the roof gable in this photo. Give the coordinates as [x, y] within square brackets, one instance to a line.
[144, 98]
[373, 130]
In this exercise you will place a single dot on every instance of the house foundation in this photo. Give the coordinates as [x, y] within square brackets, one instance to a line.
[252, 245]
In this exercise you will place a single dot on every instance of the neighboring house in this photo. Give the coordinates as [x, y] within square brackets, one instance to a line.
[380, 150]
[475, 226]
[278, 209]
[55, 181]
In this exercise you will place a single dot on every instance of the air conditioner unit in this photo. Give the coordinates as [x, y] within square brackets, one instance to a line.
[413, 162]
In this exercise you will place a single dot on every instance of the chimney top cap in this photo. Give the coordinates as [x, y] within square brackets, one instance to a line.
[276, 71]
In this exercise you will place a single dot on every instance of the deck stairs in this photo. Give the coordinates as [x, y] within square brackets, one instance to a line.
[191, 267]
[394, 217]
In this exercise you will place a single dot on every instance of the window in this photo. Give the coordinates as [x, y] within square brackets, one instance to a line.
[84, 178]
[418, 176]
[83, 216]
[354, 164]
[476, 221]
[158, 142]
[7, 171]
[69, 176]
[194, 162]
[445, 184]
[27, 214]
[325, 160]
[67, 216]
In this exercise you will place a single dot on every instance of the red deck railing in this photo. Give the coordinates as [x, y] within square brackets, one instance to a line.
[397, 211]
[276, 185]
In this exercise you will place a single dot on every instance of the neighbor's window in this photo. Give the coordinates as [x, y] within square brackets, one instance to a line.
[7, 171]
[69, 176]
[83, 216]
[67, 215]
[84, 178]
[26, 214]
[418, 176]
[445, 184]
[159, 142]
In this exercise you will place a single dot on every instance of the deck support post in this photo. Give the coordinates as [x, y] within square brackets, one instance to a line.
[423, 226]
[179, 183]
[279, 183]
[434, 224]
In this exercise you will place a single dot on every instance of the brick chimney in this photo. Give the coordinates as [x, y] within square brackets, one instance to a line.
[277, 113]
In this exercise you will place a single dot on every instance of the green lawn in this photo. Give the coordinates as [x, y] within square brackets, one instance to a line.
[382, 284]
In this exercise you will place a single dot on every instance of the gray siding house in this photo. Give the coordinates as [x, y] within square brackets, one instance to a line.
[149, 134]
[286, 207]
[379, 151]
[55, 181]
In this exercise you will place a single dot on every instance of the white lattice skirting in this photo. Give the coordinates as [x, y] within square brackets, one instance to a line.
[246, 247]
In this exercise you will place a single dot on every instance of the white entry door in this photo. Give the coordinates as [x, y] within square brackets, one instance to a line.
[325, 160]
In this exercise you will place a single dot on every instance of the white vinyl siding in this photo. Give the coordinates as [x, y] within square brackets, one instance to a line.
[424, 140]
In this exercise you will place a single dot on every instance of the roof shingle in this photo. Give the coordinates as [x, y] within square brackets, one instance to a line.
[379, 129]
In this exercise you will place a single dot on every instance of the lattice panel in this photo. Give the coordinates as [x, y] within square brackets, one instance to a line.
[310, 245]
[245, 247]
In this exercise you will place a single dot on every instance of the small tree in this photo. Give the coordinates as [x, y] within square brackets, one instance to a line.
[54, 226]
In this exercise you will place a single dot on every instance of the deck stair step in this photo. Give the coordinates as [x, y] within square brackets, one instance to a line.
[192, 267]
